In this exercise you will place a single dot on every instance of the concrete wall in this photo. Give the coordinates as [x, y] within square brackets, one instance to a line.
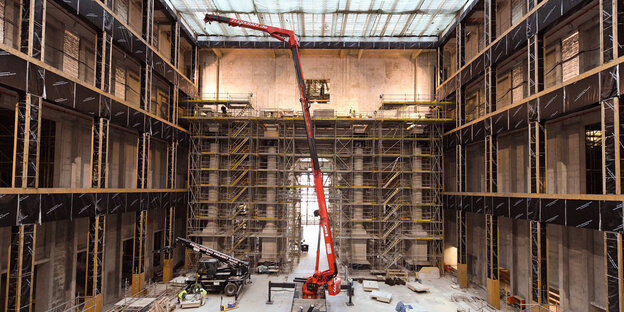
[513, 162]
[356, 79]
[566, 153]
[72, 157]
[475, 167]
[122, 164]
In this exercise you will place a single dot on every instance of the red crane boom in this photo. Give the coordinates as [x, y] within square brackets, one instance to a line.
[329, 277]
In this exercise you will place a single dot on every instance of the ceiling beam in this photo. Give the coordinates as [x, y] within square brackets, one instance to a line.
[217, 52]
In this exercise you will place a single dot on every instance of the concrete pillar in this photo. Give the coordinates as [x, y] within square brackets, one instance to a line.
[269, 232]
[211, 229]
[358, 233]
[418, 249]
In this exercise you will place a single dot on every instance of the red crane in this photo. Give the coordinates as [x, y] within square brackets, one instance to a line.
[328, 278]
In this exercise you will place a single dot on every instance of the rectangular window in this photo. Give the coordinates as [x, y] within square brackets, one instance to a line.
[46, 153]
[318, 90]
[593, 159]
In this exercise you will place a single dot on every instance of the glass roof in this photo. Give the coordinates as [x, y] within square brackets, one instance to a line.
[324, 18]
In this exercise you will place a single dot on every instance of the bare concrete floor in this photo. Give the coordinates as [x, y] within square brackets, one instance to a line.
[254, 296]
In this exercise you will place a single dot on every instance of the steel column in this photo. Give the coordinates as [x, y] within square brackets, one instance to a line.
[172, 151]
[97, 224]
[493, 281]
[138, 268]
[613, 271]
[148, 20]
[462, 252]
[21, 266]
[104, 46]
[31, 29]
[539, 265]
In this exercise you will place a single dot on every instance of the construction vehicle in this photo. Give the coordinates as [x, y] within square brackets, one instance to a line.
[221, 273]
[312, 287]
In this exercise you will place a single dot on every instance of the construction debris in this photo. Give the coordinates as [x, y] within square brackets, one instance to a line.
[394, 281]
[392, 273]
[428, 273]
[370, 285]
[381, 296]
[417, 287]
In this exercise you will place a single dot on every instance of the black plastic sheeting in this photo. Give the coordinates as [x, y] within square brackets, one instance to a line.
[613, 280]
[94, 13]
[548, 15]
[591, 214]
[64, 92]
[19, 209]
[577, 96]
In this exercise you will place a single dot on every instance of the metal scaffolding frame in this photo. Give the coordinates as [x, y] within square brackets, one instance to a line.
[382, 172]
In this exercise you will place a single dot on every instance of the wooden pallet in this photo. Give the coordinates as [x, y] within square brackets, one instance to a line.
[402, 274]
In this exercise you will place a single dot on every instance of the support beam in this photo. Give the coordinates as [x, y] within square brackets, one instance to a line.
[489, 19]
[138, 255]
[539, 265]
[103, 61]
[441, 74]
[26, 141]
[148, 20]
[537, 157]
[460, 41]
[95, 264]
[610, 121]
[173, 103]
[608, 38]
[613, 271]
[462, 252]
[172, 156]
[138, 258]
[21, 266]
[460, 106]
[146, 86]
[493, 281]
[99, 158]
[21, 255]
[32, 30]
[535, 63]
[175, 43]
[194, 68]
[97, 224]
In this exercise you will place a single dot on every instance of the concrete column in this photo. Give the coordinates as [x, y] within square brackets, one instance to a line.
[418, 248]
[358, 233]
[269, 232]
[212, 228]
